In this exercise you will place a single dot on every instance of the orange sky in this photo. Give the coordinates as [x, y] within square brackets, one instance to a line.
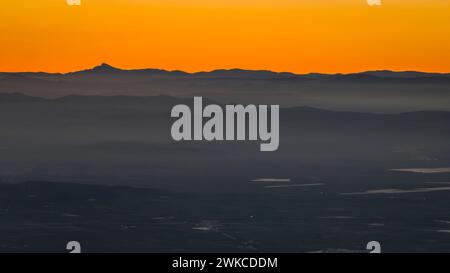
[193, 35]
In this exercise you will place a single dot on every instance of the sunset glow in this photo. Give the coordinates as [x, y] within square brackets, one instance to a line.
[281, 35]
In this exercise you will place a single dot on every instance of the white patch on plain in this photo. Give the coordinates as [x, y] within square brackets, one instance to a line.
[202, 228]
[338, 217]
[376, 224]
[271, 180]
[443, 231]
[398, 191]
[293, 185]
[423, 170]
[442, 221]
[207, 226]
[69, 215]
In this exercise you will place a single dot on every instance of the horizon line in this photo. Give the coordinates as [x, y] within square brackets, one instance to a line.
[104, 64]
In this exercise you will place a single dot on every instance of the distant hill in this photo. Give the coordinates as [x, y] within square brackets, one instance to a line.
[403, 74]
[105, 68]
[391, 78]
[22, 79]
[18, 98]
[168, 101]
[138, 101]
[121, 100]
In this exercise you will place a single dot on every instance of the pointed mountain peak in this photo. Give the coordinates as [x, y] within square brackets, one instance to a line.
[105, 67]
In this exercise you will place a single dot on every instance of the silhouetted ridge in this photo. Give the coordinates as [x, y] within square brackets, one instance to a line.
[161, 100]
[19, 78]
[355, 78]
[367, 77]
[402, 74]
[18, 98]
[242, 73]
[104, 67]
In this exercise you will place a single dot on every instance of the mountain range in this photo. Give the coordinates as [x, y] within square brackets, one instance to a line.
[105, 69]
[371, 91]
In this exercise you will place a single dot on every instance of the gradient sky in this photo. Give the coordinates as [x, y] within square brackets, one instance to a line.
[194, 35]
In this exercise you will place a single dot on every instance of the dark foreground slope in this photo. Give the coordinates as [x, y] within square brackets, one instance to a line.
[42, 217]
